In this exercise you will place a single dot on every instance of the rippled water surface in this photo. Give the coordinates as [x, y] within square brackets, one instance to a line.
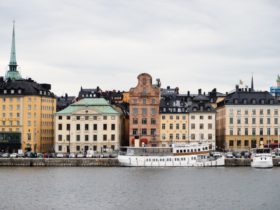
[139, 188]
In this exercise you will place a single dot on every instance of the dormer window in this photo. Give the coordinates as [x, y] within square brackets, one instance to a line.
[19, 91]
[262, 101]
[245, 101]
[12, 91]
[235, 101]
[271, 101]
[253, 101]
[5, 91]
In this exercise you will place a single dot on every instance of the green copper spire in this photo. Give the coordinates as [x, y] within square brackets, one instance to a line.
[13, 74]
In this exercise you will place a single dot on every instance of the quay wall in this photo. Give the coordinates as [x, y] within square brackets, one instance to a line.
[98, 162]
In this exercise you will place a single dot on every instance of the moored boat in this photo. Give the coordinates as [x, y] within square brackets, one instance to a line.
[177, 155]
[262, 158]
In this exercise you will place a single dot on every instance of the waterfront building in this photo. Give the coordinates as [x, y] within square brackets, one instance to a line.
[89, 124]
[26, 111]
[144, 122]
[186, 118]
[247, 119]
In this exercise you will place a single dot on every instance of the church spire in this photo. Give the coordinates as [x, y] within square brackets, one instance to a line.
[13, 61]
[252, 83]
[12, 73]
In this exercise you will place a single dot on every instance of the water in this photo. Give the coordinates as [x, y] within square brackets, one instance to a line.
[139, 188]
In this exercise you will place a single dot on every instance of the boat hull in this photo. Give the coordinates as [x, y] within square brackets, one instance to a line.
[169, 161]
[262, 162]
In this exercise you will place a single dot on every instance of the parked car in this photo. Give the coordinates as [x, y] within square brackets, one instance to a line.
[5, 155]
[59, 155]
[114, 155]
[237, 154]
[72, 155]
[89, 155]
[106, 155]
[14, 155]
[40, 155]
[229, 155]
[245, 154]
[80, 155]
[20, 155]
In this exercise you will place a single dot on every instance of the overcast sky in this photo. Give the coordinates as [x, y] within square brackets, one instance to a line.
[107, 43]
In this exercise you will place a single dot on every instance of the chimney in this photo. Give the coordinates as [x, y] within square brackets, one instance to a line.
[188, 93]
[168, 87]
[237, 88]
[199, 91]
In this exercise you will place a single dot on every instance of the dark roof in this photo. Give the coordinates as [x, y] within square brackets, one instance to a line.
[242, 97]
[24, 87]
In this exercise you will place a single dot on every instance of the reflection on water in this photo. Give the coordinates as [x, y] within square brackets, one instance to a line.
[139, 188]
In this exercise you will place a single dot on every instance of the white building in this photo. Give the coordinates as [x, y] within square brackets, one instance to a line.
[202, 120]
[89, 124]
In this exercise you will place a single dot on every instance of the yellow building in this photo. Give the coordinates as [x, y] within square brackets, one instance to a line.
[26, 111]
[173, 128]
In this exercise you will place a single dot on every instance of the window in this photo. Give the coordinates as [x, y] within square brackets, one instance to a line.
[144, 131]
[261, 111]
[135, 111]
[231, 120]
[192, 126]
[210, 136]
[60, 117]
[268, 112]
[177, 136]
[78, 118]
[177, 126]
[193, 136]
[68, 117]
[210, 126]
[134, 132]
[170, 136]
[246, 131]
[68, 137]
[163, 117]
[201, 117]
[275, 112]
[60, 127]
[238, 120]
[253, 121]
[238, 131]
[95, 127]
[78, 148]
[268, 131]
[253, 112]
[59, 147]
[113, 127]
[261, 121]
[104, 137]
[153, 111]
[184, 117]
[153, 101]
[78, 127]
[253, 131]
[135, 101]
[153, 121]
[163, 126]
[104, 117]
[94, 117]
[184, 126]
[209, 117]
[171, 117]
[86, 127]
[275, 121]
[231, 143]
[144, 101]
[94, 137]
[144, 121]
[113, 137]
[239, 143]
[135, 121]
[86, 137]
[144, 111]
[177, 117]
[163, 136]
[153, 131]
[183, 136]
[86, 117]
[246, 121]
[275, 131]
[68, 127]
[201, 126]
[231, 131]
[268, 121]
[59, 137]
[78, 138]
[170, 126]
[246, 143]
[104, 127]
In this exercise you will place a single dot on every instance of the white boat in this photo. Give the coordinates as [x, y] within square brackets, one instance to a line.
[262, 158]
[186, 155]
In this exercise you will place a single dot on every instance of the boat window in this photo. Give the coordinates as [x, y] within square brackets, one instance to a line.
[195, 150]
[181, 151]
[194, 158]
[191, 150]
[184, 151]
[188, 150]
[199, 149]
